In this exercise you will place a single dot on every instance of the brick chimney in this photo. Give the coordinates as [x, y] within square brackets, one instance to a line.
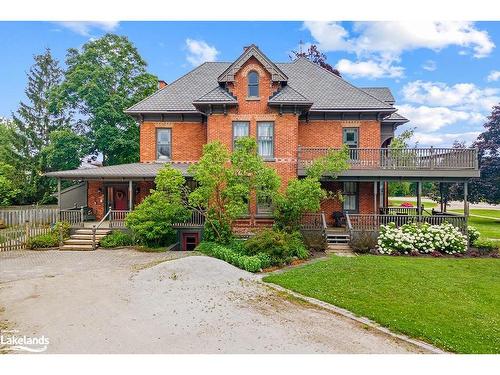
[161, 84]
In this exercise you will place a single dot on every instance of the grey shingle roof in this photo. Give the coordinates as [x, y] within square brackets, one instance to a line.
[288, 95]
[326, 90]
[133, 170]
[180, 94]
[217, 95]
[381, 93]
[396, 117]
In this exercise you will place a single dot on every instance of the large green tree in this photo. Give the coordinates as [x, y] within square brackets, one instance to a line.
[31, 127]
[103, 78]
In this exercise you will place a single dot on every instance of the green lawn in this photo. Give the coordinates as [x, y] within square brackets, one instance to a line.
[397, 203]
[451, 303]
[481, 212]
[487, 227]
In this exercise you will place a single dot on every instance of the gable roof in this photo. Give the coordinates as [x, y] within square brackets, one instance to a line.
[252, 51]
[287, 95]
[396, 118]
[325, 90]
[217, 95]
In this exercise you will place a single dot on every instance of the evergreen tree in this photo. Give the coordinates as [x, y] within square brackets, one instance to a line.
[32, 124]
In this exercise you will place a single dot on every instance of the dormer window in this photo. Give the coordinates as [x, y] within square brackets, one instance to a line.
[253, 84]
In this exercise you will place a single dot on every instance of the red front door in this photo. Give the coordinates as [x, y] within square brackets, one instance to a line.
[120, 199]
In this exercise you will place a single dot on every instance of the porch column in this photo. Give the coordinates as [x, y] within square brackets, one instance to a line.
[441, 196]
[419, 197]
[375, 197]
[130, 198]
[59, 194]
[381, 194]
[466, 203]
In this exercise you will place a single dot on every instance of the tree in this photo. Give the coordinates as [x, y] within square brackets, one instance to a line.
[226, 183]
[305, 195]
[32, 125]
[103, 79]
[151, 221]
[64, 151]
[8, 187]
[487, 188]
[34, 119]
[317, 57]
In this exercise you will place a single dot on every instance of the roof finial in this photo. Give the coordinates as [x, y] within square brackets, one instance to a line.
[301, 43]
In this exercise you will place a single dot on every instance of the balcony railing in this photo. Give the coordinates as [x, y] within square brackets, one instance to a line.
[403, 159]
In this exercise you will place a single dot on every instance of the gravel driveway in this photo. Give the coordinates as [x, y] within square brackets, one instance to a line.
[123, 301]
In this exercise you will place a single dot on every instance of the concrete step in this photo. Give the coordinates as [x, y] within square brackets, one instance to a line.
[87, 236]
[89, 231]
[76, 247]
[79, 241]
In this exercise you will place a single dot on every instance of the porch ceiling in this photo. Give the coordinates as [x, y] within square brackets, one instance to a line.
[133, 171]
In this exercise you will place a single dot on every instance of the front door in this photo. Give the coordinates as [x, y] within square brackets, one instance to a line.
[120, 199]
[190, 240]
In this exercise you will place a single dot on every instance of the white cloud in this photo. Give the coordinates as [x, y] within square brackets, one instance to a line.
[443, 139]
[429, 65]
[493, 76]
[429, 119]
[369, 68]
[379, 45]
[84, 27]
[392, 38]
[199, 52]
[464, 96]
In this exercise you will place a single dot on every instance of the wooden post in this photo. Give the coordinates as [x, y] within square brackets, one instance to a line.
[130, 200]
[419, 198]
[374, 197]
[466, 203]
[59, 194]
[441, 196]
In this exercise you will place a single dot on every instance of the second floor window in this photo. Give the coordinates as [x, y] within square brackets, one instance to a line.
[253, 84]
[265, 139]
[240, 129]
[164, 144]
[350, 137]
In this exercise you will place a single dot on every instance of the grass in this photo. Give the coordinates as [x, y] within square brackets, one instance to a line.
[481, 212]
[397, 203]
[487, 227]
[451, 303]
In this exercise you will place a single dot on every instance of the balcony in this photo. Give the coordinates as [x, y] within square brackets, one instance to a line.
[413, 162]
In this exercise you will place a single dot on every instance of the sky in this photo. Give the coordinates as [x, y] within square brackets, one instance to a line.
[445, 76]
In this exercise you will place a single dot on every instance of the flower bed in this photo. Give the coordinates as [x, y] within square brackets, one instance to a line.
[422, 238]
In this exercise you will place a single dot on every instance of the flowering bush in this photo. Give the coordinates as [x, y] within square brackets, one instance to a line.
[422, 237]
[406, 204]
[473, 234]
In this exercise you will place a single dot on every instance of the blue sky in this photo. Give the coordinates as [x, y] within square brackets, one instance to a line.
[445, 76]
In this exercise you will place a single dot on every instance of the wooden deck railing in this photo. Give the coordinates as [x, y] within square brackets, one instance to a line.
[405, 159]
[197, 219]
[74, 217]
[372, 223]
[17, 215]
[117, 218]
[400, 210]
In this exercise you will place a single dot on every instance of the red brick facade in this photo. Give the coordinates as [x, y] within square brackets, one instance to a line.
[188, 138]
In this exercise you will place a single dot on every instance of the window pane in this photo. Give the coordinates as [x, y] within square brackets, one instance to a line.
[240, 129]
[253, 78]
[164, 144]
[265, 135]
[253, 91]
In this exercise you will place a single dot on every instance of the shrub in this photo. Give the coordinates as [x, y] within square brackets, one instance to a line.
[117, 239]
[280, 246]
[363, 242]
[487, 246]
[314, 240]
[43, 241]
[473, 234]
[248, 263]
[423, 237]
[51, 239]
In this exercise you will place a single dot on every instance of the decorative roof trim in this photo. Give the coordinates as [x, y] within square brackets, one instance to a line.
[252, 51]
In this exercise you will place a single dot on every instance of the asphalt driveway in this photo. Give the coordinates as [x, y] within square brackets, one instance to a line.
[124, 301]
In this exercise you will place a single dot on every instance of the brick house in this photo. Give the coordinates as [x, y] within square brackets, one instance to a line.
[296, 111]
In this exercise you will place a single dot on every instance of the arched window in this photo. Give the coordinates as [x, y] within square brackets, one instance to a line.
[253, 84]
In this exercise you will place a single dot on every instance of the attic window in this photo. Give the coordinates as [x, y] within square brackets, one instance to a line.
[253, 84]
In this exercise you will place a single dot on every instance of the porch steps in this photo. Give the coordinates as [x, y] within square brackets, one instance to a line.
[82, 239]
[336, 237]
[340, 250]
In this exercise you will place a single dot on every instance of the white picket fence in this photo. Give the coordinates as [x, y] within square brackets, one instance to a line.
[19, 215]
[15, 237]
